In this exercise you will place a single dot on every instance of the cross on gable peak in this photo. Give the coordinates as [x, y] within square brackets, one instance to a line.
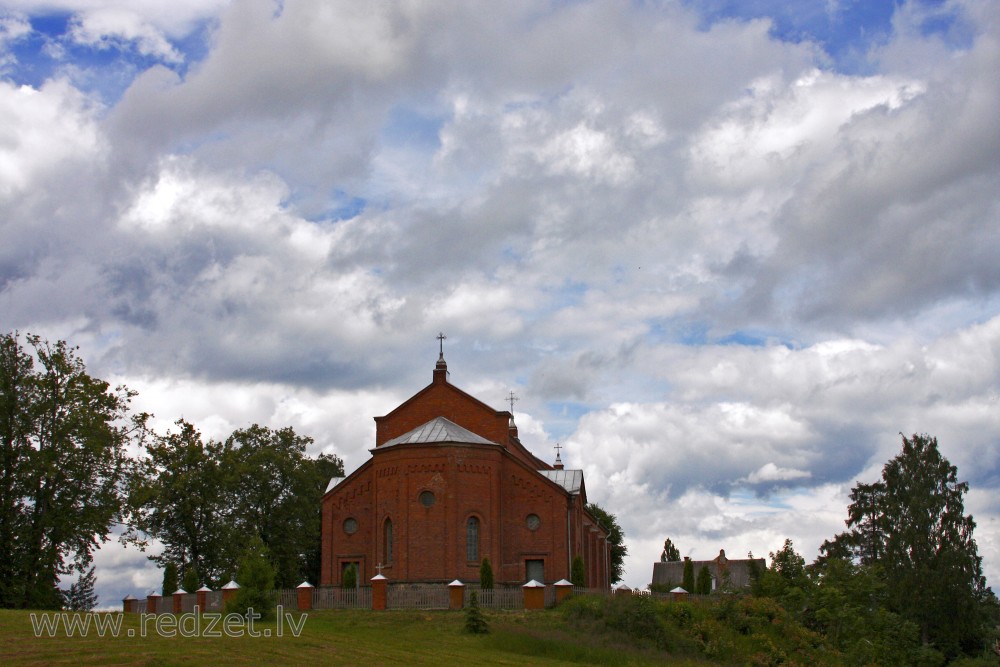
[441, 339]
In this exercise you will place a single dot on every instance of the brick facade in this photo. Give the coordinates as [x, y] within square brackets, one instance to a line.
[437, 496]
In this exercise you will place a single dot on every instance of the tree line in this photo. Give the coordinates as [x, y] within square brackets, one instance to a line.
[903, 585]
[79, 463]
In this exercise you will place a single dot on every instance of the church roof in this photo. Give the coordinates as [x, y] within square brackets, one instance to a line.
[438, 429]
[571, 480]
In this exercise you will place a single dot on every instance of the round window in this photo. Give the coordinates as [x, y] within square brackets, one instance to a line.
[426, 498]
[350, 526]
[533, 522]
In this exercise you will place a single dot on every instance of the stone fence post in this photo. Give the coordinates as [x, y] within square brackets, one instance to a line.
[179, 600]
[202, 598]
[128, 604]
[380, 592]
[153, 603]
[534, 595]
[563, 589]
[456, 595]
[305, 596]
[229, 592]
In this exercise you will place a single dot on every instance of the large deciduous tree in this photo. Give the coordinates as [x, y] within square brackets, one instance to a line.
[616, 539]
[63, 466]
[273, 493]
[912, 525]
[206, 501]
[178, 499]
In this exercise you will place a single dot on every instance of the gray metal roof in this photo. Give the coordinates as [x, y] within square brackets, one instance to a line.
[571, 480]
[334, 481]
[439, 429]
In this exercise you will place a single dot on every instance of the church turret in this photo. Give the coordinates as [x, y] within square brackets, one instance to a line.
[558, 464]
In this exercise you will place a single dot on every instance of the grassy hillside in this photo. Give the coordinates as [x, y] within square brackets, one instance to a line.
[583, 631]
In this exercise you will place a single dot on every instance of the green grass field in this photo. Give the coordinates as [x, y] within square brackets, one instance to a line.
[336, 637]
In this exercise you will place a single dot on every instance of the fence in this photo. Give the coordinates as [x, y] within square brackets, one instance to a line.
[396, 596]
[497, 598]
[416, 596]
[342, 598]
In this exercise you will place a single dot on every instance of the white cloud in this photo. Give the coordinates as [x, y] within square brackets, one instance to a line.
[590, 200]
[110, 27]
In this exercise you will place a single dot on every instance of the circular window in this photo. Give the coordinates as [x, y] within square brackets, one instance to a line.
[350, 526]
[533, 522]
[426, 498]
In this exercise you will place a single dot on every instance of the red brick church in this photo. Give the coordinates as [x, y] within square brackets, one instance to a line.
[448, 484]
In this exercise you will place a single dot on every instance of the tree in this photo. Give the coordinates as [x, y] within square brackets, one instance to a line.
[350, 579]
[670, 552]
[475, 622]
[578, 574]
[486, 575]
[63, 466]
[272, 490]
[177, 498]
[170, 583]
[703, 586]
[616, 539]
[81, 596]
[189, 582]
[256, 579]
[687, 582]
[912, 524]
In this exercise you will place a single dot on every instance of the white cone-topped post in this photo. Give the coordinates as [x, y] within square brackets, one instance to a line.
[305, 596]
[534, 595]
[456, 595]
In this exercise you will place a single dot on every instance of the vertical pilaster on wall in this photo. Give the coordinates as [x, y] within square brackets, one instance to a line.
[153, 603]
[179, 600]
[563, 589]
[456, 595]
[202, 599]
[128, 604]
[380, 592]
[229, 592]
[534, 595]
[305, 596]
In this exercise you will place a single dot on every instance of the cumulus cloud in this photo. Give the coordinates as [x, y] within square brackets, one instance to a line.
[724, 273]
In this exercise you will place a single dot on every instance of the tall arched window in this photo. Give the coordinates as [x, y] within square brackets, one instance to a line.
[472, 538]
[387, 542]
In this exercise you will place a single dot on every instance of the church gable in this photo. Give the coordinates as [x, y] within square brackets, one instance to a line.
[443, 399]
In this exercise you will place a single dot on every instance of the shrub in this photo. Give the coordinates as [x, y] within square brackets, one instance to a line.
[578, 574]
[636, 616]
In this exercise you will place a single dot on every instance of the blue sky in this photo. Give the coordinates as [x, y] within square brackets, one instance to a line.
[723, 252]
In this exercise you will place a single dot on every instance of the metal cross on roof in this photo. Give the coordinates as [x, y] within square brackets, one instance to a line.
[379, 567]
[512, 399]
[558, 449]
[441, 338]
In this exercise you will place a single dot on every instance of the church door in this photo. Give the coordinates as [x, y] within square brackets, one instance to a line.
[535, 569]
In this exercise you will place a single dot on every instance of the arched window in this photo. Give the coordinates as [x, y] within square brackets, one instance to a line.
[472, 538]
[387, 542]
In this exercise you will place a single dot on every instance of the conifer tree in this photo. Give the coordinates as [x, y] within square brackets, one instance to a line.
[486, 575]
[579, 573]
[170, 583]
[704, 584]
[688, 582]
[81, 596]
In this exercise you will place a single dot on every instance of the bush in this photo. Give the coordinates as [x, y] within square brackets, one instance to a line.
[636, 616]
